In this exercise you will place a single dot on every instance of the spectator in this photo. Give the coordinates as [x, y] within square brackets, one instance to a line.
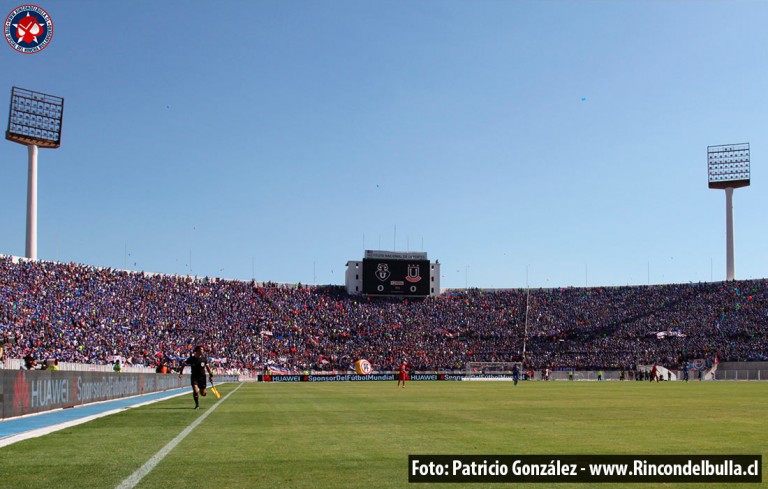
[83, 314]
[29, 363]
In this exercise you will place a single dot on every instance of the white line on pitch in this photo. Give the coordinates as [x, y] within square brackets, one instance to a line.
[145, 469]
[26, 435]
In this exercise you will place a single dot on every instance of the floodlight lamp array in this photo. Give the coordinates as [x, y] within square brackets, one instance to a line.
[35, 118]
[728, 165]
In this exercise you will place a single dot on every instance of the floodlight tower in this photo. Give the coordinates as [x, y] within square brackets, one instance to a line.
[728, 169]
[34, 120]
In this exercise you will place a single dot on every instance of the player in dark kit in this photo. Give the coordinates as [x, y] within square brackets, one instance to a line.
[515, 373]
[199, 364]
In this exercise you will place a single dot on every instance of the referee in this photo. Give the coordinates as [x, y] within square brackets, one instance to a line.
[199, 364]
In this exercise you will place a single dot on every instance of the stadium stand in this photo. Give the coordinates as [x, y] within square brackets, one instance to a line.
[84, 314]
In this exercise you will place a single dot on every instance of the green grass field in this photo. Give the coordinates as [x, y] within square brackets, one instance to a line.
[359, 434]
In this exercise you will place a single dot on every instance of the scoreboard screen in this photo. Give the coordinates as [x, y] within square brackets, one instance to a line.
[395, 277]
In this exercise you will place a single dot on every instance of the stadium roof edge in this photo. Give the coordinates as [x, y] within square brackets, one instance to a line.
[17, 259]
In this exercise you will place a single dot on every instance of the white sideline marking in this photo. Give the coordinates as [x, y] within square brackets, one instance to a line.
[38, 432]
[145, 469]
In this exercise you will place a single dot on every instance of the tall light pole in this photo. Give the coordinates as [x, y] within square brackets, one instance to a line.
[34, 120]
[263, 371]
[728, 167]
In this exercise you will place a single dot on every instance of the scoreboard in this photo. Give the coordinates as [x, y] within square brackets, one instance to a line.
[393, 276]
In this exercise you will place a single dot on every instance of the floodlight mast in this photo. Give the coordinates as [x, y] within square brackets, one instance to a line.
[34, 120]
[30, 248]
[728, 167]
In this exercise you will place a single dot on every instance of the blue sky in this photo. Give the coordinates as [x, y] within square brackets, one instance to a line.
[541, 143]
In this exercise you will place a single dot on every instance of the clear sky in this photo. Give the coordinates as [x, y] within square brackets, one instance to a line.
[542, 143]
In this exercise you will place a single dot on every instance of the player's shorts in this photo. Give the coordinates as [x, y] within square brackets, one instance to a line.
[199, 382]
[402, 376]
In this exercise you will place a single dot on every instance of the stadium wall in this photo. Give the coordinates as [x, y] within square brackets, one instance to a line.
[757, 371]
[35, 391]
[742, 371]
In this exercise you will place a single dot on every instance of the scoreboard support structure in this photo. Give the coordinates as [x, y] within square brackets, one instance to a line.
[393, 274]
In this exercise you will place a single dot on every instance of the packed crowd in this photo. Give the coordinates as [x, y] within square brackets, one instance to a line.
[78, 313]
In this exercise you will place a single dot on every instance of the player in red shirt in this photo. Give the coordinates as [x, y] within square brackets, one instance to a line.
[402, 374]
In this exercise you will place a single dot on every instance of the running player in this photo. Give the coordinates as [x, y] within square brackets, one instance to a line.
[199, 364]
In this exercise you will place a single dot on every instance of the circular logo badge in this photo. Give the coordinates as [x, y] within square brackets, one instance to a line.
[363, 367]
[28, 29]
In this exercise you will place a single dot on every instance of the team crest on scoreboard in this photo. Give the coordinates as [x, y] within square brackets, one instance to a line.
[414, 275]
[382, 272]
[28, 29]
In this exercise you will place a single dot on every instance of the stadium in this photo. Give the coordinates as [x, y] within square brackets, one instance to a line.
[215, 156]
[293, 348]
[86, 315]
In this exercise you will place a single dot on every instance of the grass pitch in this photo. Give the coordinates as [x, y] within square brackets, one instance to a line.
[359, 434]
